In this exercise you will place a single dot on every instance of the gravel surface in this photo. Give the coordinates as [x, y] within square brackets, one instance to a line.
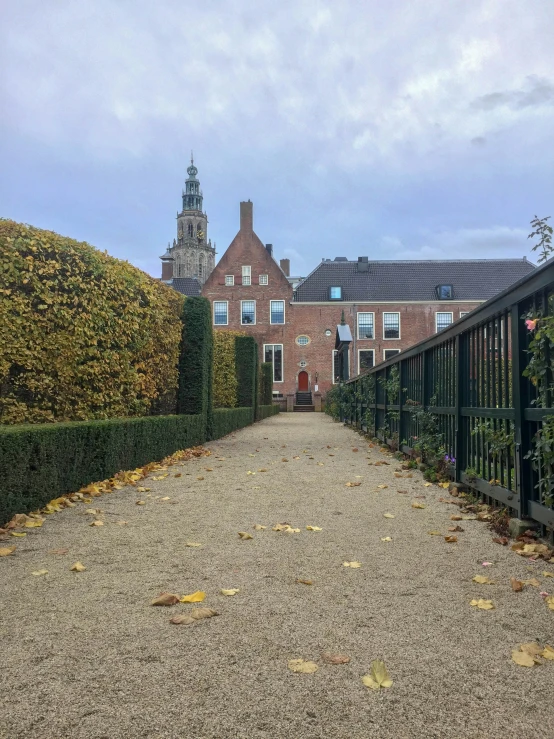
[85, 655]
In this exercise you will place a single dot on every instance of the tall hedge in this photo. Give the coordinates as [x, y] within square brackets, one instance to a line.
[225, 374]
[246, 359]
[82, 335]
[266, 383]
[196, 362]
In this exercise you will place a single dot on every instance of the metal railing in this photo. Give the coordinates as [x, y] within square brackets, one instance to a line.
[469, 378]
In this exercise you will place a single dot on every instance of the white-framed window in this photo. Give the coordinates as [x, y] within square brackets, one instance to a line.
[442, 320]
[366, 359]
[247, 275]
[390, 353]
[247, 312]
[263, 280]
[391, 325]
[335, 369]
[463, 313]
[366, 325]
[221, 312]
[229, 280]
[276, 311]
[274, 353]
[335, 292]
[302, 340]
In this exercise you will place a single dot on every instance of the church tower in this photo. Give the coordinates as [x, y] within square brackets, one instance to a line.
[192, 254]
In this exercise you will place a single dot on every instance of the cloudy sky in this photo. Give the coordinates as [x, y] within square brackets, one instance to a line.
[400, 129]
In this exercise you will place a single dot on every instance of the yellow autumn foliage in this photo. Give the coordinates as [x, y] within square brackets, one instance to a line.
[83, 335]
[225, 377]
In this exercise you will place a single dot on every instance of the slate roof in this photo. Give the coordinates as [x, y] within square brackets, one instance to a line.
[187, 286]
[472, 279]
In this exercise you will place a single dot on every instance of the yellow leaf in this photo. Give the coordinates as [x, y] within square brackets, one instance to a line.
[353, 484]
[485, 605]
[531, 648]
[196, 597]
[434, 533]
[18, 533]
[262, 470]
[533, 581]
[259, 527]
[305, 582]
[165, 599]
[313, 528]
[386, 538]
[244, 535]
[231, 591]
[354, 565]
[300, 665]
[418, 505]
[39, 572]
[192, 544]
[200, 478]
[140, 502]
[523, 659]
[483, 580]
[388, 515]
[290, 530]
[550, 602]
[77, 567]
[428, 484]
[548, 652]
[547, 574]
[444, 485]
[451, 539]
[378, 677]
[34, 523]
[6, 551]
[96, 523]
[166, 498]
[382, 487]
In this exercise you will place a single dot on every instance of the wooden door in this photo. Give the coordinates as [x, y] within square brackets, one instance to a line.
[303, 384]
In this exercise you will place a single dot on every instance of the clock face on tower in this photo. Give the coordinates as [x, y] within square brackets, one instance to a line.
[200, 235]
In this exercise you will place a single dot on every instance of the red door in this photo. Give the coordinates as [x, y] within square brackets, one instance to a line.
[303, 382]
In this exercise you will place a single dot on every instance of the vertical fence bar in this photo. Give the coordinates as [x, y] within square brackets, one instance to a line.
[522, 472]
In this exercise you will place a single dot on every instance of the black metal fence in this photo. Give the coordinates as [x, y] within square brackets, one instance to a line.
[494, 422]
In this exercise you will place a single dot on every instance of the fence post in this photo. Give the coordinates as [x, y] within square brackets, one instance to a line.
[521, 426]
[400, 396]
[460, 463]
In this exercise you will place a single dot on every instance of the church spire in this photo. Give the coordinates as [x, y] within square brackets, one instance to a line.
[192, 195]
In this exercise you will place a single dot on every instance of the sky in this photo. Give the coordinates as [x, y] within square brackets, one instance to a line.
[406, 129]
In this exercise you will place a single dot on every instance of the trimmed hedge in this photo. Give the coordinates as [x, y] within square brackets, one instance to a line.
[41, 462]
[196, 362]
[265, 411]
[246, 359]
[266, 383]
[84, 335]
[227, 420]
[225, 372]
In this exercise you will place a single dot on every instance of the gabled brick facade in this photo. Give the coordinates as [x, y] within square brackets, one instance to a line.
[307, 333]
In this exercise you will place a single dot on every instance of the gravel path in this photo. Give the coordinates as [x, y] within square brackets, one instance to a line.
[85, 655]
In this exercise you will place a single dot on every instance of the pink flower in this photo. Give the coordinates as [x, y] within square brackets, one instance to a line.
[543, 594]
[531, 324]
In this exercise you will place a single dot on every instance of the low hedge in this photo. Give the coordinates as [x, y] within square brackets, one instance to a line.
[265, 411]
[226, 420]
[43, 461]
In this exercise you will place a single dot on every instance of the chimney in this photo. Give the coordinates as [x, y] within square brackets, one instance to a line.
[246, 216]
[167, 265]
[285, 266]
[269, 248]
[363, 264]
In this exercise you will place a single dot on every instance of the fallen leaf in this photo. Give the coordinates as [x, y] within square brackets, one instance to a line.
[39, 572]
[547, 574]
[6, 551]
[284, 459]
[402, 492]
[455, 518]
[196, 597]
[300, 665]
[262, 470]
[531, 648]
[388, 515]
[290, 530]
[34, 523]
[379, 677]
[382, 487]
[485, 605]
[455, 528]
[517, 585]
[195, 615]
[313, 528]
[231, 591]
[96, 523]
[64, 550]
[428, 484]
[550, 602]
[244, 535]
[77, 567]
[183, 618]
[354, 565]
[355, 449]
[335, 659]
[483, 580]
[18, 533]
[178, 474]
[353, 484]
[434, 533]
[451, 539]
[523, 659]
[547, 652]
[93, 511]
[418, 505]
[200, 478]
[259, 527]
[305, 582]
[140, 502]
[386, 538]
[444, 485]
[121, 523]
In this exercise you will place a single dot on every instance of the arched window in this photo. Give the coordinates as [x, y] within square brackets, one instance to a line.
[190, 229]
[198, 228]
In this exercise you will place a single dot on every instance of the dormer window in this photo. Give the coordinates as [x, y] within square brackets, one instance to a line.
[335, 293]
[445, 292]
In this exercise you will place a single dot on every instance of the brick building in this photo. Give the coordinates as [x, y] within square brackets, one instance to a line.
[389, 305]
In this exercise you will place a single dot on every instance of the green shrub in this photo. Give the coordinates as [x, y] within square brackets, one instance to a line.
[225, 371]
[83, 335]
[246, 358]
[43, 461]
[332, 402]
[265, 411]
[227, 420]
[266, 383]
[196, 362]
